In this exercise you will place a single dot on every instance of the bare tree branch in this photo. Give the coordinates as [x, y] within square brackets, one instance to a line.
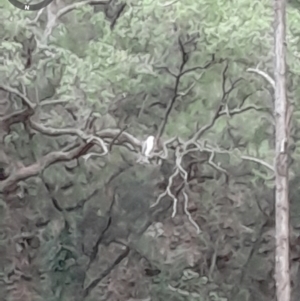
[185, 58]
[123, 138]
[77, 132]
[35, 20]
[20, 115]
[183, 149]
[81, 149]
[168, 3]
[53, 132]
[96, 281]
[245, 109]
[166, 69]
[15, 117]
[167, 191]
[201, 67]
[244, 157]
[53, 102]
[117, 16]
[261, 162]
[186, 201]
[175, 95]
[52, 23]
[220, 112]
[77, 5]
[24, 98]
[263, 74]
[37, 167]
[214, 165]
[116, 137]
[115, 134]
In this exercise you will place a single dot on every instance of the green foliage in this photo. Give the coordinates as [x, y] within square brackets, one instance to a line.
[128, 74]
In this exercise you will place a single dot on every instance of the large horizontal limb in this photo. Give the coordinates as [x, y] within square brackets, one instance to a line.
[47, 160]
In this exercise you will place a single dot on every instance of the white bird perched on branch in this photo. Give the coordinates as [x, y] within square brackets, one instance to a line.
[147, 148]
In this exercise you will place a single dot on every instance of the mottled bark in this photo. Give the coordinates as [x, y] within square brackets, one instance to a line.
[281, 163]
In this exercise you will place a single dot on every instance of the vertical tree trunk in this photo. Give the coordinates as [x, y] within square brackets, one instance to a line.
[282, 272]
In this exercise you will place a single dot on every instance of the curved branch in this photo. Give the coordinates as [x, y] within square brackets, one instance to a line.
[263, 74]
[52, 23]
[37, 167]
[54, 132]
[68, 154]
[123, 138]
[106, 272]
[115, 134]
[15, 117]
[24, 98]
[168, 3]
[259, 161]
